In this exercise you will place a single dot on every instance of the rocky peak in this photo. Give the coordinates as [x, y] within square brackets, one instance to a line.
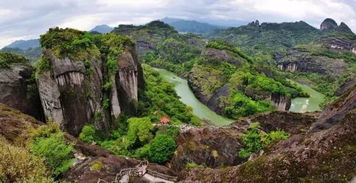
[343, 27]
[254, 23]
[328, 24]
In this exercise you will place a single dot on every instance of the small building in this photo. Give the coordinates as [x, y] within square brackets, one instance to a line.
[165, 120]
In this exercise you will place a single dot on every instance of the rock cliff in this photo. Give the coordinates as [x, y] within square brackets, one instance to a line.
[91, 84]
[297, 60]
[328, 24]
[17, 85]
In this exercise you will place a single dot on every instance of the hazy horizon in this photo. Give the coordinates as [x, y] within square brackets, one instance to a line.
[22, 21]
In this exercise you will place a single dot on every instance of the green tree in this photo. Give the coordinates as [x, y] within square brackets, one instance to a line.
[139, 132]
[49, 143]
[161, 149]
[88, 134]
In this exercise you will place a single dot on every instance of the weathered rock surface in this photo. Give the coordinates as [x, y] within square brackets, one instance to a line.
[18, 89]
[72, 94]
[301, 61]
[14, 125]
[325, 155]
[69, 96]
[211, 147]
[220, 56]
[219, 147]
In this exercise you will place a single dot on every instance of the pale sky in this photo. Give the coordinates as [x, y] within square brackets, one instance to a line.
[27, 19]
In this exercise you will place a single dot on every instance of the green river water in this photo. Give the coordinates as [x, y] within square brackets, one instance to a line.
[203, 112]
[187, 97]
[311, 104]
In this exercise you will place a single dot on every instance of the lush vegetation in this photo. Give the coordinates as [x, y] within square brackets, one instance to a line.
[7, 58]
[48, 142]
[77, 45]
[18, 165]
[268, 38]
[249, 83]
[32, 54]
[166, 47]
[160, 100]
[241, 105]
[255, 139]
[222, 45]
[139, 137]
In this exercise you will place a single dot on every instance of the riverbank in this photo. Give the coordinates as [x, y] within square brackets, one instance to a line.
[187, 97]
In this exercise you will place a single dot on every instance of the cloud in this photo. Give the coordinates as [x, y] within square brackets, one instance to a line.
[19, 20]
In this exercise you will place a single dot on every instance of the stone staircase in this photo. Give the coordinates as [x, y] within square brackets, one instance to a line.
[140, 170]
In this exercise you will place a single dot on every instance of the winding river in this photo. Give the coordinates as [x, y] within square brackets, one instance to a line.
[186, 95]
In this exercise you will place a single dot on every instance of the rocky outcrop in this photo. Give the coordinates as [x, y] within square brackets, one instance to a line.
[338, 44]
[281, 102]
[218, 147]
[108, 165]
[296, 60]
[335, 112]
[69, 96]
[323, 155]
[328, 24]
[346, 86]
[143, 47]
[210, 147]
[293, 123]
[92, 85]
[217, 55]
[14, 125]
[18, 89]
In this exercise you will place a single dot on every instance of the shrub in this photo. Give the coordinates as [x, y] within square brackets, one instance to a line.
[7, 58]
[161, 149]
[96, 165]
[139, 132]
[88, 134]
[193, 165]
[48, 142]
[18, 165]
[255, 139]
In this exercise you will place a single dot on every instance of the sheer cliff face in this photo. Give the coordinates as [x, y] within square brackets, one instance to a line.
[74, 98]
[68, 95]
[18, 89]
[75, 92]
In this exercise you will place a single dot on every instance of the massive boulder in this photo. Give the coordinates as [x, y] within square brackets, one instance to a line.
[93, 84]
[17, 85]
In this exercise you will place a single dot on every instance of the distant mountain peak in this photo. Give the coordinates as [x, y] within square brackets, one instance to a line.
[331, 25]
[190, 26]
[102, 29]
[328, 24]
[344, 28]
[24, 44]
